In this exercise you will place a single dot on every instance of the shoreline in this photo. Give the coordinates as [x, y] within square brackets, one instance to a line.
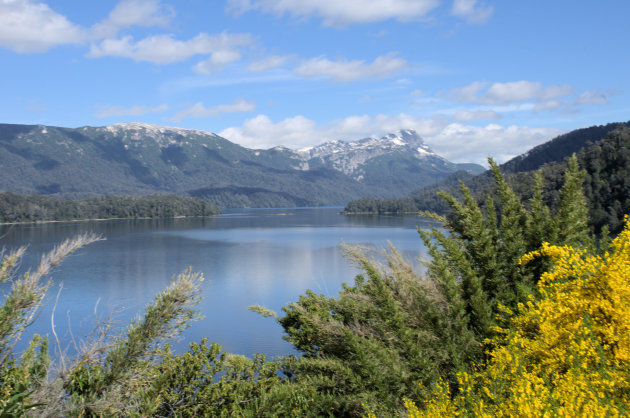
[103, 219]
[379, 213]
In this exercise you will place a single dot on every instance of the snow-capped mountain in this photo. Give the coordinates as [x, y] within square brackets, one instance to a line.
[136, 158]
[351, 157]
[370, 147]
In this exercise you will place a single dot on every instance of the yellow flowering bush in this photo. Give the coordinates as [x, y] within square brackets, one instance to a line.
[567, 350]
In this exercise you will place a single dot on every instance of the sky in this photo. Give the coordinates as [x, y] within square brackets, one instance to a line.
[474, 78]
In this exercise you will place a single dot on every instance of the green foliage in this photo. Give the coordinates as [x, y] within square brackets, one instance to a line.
[566, 352]
[375, 340]
[97, 386]
[573, 211]
[18, 381]
[21, 381]
[396, 333]
[380, 206]
[35, 208]
[481, 250]
[208, 382]
[607, 181]
[262, 311]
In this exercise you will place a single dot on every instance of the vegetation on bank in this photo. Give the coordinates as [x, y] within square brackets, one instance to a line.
[35, 208]
[521, 306]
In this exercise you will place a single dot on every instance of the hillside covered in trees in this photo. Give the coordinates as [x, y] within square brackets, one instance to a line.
[34, 208]
[479, 332]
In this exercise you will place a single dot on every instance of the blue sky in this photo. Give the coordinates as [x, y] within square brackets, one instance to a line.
[474, 78]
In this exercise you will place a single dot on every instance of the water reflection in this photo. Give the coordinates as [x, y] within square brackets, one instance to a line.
[266, 257]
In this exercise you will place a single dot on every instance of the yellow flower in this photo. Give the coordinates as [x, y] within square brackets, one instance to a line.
[566, 353]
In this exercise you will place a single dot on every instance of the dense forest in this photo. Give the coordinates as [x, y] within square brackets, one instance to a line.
[606, 186]
[34, 208]
[522, 311]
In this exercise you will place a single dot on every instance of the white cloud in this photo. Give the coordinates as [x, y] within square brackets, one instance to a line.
[502, 93]
[469, 116]
[345, 70]
[455, 141]
[524, 90]
[469, 93]
[594, 97]
[27, 26]
[261, 132]
[198, 110]
[472, 11]
[340, 13]
[128, 13]
[217, 61]
[549, 105]
[108, 111]
[461, 143]
[268, 63]
[164, 49]
[30, 26]
[299, 131]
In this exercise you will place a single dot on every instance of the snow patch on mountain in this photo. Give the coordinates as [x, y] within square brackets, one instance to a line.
[163, 135]
[349, 156]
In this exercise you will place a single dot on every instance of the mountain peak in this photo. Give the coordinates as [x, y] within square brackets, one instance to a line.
[404, 137]
[404, 140]
[349, 156]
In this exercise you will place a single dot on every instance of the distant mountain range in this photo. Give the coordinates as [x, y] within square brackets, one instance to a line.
[134, 158]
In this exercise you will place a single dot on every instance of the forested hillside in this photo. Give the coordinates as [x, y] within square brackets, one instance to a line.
[34, 208]
[559, 148]
[137, 159]
[607, 183]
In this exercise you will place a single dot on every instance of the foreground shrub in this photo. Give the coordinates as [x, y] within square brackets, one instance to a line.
[567, 350]
[106, 378]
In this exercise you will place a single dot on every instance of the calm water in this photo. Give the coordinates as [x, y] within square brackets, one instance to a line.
[265, 257]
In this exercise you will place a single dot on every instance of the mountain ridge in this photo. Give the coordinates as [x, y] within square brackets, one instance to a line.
[137, 158]
[349, 156]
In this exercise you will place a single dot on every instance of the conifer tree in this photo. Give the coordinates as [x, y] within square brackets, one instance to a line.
[572, 217]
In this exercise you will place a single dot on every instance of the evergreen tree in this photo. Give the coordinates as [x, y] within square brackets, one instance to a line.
[572, 217]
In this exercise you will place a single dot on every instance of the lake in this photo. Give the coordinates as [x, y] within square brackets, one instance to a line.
[249, 257]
